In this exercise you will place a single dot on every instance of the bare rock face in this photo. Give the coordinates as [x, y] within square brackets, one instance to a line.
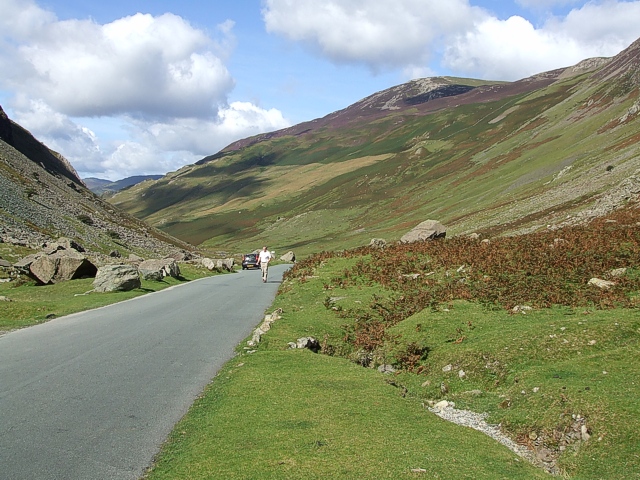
[6, 132]
[116, 278]
[427, 230]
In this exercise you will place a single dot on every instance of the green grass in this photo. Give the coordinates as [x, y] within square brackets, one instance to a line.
[280, 413]
[294, 414]
[32, 304]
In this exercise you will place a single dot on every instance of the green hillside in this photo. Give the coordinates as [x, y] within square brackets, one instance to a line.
[495, 158]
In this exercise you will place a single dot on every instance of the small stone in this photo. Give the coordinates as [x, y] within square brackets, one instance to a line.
[584, 433]
[462, 374]
[441, 405]
[536, 389]
[592, 342]
[5, 299]
[447, 368]
[602, 284]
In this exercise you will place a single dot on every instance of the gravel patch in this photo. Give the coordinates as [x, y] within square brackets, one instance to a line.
[466, 418]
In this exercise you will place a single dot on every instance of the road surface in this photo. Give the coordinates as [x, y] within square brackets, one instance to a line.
[93, 395]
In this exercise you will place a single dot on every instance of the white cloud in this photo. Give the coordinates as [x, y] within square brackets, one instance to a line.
[152, 147]
[381, 34]
[466, 40]
[513, 48]
[162, 80]
[151, 66]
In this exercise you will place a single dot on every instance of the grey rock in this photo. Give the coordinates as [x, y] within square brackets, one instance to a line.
[378, 243]
[602, 284]
[43, 269]
[386, 369]
[208, 263]
[26, 262]
[112, 278]
[288, 257]
[309, 343]
[61, 266]
[158, 269]
[427, 230]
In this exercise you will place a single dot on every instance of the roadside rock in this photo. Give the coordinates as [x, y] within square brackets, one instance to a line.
[208, 263]
[158, 269]
[427, 230]
[113, 278]
[61, 266]
[288, 257]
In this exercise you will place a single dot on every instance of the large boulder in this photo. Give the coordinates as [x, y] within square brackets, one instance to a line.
[208, 263]
[427, 230]
[158, 269]
[288, 257]
[25, 262]
[116, 278]
[61, 266]
[63, 243]
[225, 264]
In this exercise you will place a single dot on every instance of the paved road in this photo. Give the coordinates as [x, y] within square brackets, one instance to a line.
[93, 395]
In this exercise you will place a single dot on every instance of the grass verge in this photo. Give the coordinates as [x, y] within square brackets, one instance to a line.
[30, 304]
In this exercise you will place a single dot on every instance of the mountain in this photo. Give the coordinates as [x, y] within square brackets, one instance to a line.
[100, 186]
[495, 157]
[42, 198]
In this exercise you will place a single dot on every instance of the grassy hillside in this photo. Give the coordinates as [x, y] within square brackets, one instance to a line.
[511, 328]
[499, 161]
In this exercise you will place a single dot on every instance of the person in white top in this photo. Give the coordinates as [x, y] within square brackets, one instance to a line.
[264, 258]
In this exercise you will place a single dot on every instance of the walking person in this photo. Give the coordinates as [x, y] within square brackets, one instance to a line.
[264, 258]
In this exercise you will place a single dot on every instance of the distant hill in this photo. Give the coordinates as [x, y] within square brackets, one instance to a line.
[100, 186]
[42, 198]
[496, 157]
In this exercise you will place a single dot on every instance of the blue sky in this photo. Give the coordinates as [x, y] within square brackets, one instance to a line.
[134, 87]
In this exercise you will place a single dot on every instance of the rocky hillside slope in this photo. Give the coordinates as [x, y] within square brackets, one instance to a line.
[42, 198]
[502, 157]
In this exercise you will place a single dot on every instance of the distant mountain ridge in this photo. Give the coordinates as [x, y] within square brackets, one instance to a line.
[100, 186]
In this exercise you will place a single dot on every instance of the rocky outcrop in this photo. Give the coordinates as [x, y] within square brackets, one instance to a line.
[427, 230]
[116, 278]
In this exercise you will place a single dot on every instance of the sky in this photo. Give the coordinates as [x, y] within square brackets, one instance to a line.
[138, 87]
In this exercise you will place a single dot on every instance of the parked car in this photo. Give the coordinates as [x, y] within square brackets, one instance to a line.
[250, 260]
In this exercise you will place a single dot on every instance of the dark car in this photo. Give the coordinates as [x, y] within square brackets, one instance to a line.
[250, 260]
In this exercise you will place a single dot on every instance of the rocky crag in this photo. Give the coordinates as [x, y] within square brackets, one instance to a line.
[42, 198]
